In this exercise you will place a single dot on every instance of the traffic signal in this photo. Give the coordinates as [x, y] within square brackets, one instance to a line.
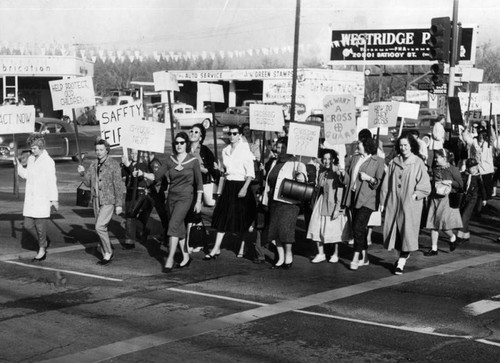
[437, 71]
[440, 39]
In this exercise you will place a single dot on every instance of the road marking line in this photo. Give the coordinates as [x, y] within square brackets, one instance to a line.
[29, 254]
[483, 306]
[65, 271]
[220, 297]
[116, 349]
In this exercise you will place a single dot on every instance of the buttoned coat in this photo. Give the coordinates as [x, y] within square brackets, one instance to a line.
[365, 194]
[41, 185]
[402, 212]
[108, 186]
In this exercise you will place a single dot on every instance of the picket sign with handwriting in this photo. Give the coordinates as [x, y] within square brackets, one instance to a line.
[266, 117]
[340, 119]
[303, 139]
[17, 119]
[111, 119]
[382, 114]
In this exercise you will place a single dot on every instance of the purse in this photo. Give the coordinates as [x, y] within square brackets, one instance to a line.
[295, 190]
[198, 235]
[456, 200]
[83, 196]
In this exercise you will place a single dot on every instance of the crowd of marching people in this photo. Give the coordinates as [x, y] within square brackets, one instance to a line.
[251, 190]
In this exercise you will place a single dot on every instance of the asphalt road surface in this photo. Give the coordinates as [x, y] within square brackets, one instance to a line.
[68, 309]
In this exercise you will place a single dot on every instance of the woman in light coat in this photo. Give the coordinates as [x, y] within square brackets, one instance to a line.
[405, 186]
[41, 192]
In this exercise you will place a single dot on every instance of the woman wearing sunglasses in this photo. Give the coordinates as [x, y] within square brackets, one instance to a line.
[184, 175]
[236, 208]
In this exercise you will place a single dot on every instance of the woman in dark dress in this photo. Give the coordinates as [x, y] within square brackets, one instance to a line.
[184, 175]
[283, 213]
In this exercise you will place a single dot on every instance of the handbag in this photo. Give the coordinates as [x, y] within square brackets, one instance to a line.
[198, 235]
[209, 190]
[456, 200]
[295, 190]
[83, 196]
[375, 219]
[442, 189]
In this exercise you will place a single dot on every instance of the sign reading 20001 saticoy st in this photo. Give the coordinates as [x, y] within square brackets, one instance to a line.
[395, 46]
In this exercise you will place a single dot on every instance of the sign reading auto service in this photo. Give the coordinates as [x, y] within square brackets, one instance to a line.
[340, 119]
[392, 46]
[74, 92]
[111, 119]
[17, 119]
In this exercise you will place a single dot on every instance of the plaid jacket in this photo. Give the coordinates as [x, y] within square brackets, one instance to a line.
[108, 186]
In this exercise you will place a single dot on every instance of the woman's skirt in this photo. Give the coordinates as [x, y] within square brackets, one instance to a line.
[441, 216]
[233, 214]
[282, 221]
[324, 229]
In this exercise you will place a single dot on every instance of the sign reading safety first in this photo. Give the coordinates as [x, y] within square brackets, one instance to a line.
[112, 118]
[72, 93]
[17, 119]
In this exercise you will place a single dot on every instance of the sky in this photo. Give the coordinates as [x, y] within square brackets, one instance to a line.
[211, 25]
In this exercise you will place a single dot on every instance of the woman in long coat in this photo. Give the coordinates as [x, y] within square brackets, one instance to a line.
[405, 186]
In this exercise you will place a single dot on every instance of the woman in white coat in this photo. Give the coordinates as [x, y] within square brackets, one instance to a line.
[41, 192]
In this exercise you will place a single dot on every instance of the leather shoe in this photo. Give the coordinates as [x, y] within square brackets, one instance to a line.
[431, 252]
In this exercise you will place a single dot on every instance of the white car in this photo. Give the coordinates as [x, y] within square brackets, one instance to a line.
[186, 116]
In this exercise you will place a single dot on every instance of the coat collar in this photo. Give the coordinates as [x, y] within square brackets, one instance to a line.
[398, 160]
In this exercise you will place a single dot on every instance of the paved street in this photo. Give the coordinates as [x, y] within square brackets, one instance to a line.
[67, 308]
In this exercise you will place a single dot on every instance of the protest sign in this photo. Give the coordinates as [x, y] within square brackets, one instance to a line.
[17, 119]
[111, 119]
[144, 135]
[303, 139]
[210, 92]
[72, 93]
[417, 96]
[340, 119]
[266, 117]
[165, 81]
[382, 114]
[408, 110]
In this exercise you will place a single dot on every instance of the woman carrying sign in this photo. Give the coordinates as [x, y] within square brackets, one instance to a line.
[283, 212]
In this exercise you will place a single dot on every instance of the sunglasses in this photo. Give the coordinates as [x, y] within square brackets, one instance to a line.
[194, 132]
[233, 133]
[180, 142]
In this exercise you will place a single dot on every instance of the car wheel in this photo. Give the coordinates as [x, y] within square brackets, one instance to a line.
[206, 123]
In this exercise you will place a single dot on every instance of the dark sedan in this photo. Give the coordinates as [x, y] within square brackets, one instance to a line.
[59, 137]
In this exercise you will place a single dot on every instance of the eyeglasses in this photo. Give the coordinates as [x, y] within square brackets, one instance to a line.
[233, 133]
[180, 142]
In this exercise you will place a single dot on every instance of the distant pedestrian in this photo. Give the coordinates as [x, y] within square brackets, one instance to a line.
[474, 190]
[404, 188]
[41, 192]
[104, 179]
[437, 138]
[445, 179]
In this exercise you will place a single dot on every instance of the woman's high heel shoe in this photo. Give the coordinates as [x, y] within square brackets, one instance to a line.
[209, 257]
[41, 258]
[286, 266]
[186, 264]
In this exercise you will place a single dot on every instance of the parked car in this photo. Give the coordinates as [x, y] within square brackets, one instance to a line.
[59, 138]
[186, 116]
[233, 116]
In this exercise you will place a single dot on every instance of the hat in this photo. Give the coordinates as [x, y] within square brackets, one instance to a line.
[470, 163]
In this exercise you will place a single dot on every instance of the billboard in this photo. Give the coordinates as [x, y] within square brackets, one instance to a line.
[392, 46]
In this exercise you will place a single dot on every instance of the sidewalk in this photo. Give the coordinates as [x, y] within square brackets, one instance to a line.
[74, 226]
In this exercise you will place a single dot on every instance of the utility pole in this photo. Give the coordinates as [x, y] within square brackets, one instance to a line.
[295, 61]
[454, 50]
